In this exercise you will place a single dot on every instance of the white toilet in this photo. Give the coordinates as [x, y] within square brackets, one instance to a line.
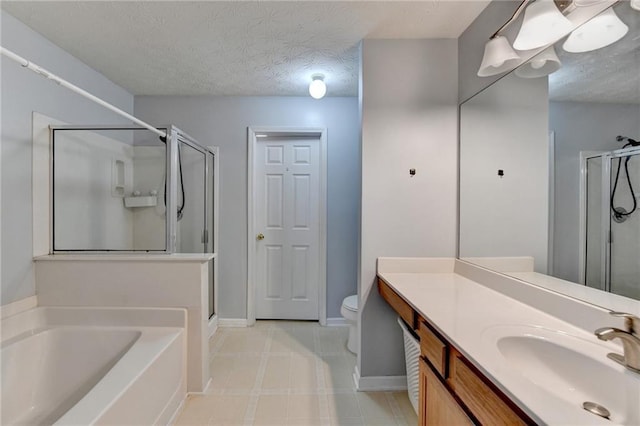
[349, 311]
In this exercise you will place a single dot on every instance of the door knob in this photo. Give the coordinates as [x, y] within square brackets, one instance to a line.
[260, 237]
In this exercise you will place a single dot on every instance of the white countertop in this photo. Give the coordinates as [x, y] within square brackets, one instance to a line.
[467, 313]
[590, 295]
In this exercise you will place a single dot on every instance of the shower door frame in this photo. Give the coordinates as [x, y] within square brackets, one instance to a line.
[605, 230]
[182, 137]
[174, 135]
[585, 156]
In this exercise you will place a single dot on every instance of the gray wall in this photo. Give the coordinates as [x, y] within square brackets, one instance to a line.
[581, 126]
[223, 121]
[409, 100]
[24, 92]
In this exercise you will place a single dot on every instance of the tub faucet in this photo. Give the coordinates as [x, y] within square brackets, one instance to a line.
[629, 338]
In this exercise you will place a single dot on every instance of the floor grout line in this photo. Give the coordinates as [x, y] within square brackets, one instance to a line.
[250, 413]
[326, 355]
[395, 409]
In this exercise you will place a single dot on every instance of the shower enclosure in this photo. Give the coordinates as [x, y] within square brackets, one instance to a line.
[125, 189]
[610, 247]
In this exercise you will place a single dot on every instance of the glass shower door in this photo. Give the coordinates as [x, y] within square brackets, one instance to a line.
[595, 255]
[192, 184]
[624, 257]
[194, 233]
[210, 228]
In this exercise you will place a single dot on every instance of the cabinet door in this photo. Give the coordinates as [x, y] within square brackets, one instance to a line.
[437, 406]
[478, 397]
[422, 396]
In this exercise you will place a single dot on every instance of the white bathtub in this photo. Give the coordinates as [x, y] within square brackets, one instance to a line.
[85, 366]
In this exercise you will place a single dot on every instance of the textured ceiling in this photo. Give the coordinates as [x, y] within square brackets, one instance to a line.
[236, 47]
[610, 74]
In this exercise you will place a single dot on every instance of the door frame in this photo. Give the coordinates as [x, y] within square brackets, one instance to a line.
[213, 320]
[552, 202]
[253, 134]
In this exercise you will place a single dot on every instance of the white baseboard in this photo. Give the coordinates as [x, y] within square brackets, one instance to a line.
[337, 322]
[379, 383]
[213, 325]
[205, 391]
[18, 306]
[233, 322]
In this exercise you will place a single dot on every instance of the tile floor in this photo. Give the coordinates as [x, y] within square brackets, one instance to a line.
[289, 373]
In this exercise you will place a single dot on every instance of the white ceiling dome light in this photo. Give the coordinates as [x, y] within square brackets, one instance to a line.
[601, 31]
[317, 88]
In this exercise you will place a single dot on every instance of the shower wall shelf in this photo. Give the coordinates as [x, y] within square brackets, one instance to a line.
[142, 201]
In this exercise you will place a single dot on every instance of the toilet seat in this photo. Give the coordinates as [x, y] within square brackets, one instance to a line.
[351, 303]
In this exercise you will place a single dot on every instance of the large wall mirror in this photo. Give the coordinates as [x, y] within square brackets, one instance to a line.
[550, 169]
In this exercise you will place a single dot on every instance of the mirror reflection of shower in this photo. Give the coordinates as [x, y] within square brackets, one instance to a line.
[620, 214]
[611, 227]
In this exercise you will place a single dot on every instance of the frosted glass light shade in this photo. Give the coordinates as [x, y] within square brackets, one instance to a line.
[317, 88]
[542, 24]
[498, 57]
[585, 3]
[600, 31]
[635, 4]
[541, 65]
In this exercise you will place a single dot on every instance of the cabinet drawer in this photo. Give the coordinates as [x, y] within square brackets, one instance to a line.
[478, 397]
[437, 406]
[432, 348]
[397, 303]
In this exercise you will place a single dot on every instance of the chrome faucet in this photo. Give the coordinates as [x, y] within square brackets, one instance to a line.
[629, 338]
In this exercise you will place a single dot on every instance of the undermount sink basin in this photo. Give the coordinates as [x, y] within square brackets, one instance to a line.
[570, 368]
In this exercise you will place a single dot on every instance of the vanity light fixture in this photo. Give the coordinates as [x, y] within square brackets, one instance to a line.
[541, 65]
[635, 4]
[543, 23]
[601, 31]
[498, 57]
[317, 88]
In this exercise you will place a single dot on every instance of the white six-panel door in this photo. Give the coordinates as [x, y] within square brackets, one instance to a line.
[287, 218]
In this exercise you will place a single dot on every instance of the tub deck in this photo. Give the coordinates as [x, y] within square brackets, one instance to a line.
[66, 366]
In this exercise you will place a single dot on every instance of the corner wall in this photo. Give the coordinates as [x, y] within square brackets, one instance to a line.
[409, 110]
[24, 92]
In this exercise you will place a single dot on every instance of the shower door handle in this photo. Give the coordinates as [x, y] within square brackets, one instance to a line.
[260, 237]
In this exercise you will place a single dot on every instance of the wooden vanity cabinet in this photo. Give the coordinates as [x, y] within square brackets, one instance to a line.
[437, 405]
[452, 391]
[432, 347]
[402, 308]
[476, 394]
